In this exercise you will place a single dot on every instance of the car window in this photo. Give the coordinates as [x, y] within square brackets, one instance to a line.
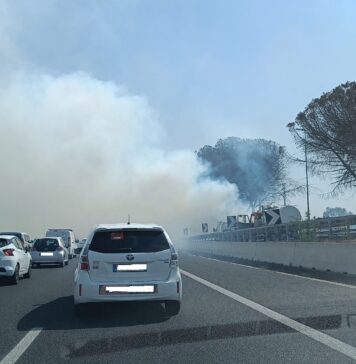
[17, 243]
[135, 241]
[48, 244]
[19, 236]
[3, 242]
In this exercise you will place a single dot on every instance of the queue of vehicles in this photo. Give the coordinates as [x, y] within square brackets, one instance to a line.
[121, 262]
[18, 254]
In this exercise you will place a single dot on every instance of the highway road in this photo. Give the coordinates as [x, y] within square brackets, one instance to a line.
[231, 314]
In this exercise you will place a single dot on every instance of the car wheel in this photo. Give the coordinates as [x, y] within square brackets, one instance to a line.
[16, 276]
[70, 256]
[172, 307]
[62, 264]
[66, 262]
[28, 274]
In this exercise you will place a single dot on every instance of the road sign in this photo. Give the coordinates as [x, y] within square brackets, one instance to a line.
[273, 217]
[205, 227]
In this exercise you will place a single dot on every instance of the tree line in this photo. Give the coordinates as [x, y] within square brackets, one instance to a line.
[326, 130]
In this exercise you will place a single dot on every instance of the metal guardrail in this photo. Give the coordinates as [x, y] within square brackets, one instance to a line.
[335, 229]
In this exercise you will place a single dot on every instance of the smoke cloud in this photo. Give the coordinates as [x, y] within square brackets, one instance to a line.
[76, 151]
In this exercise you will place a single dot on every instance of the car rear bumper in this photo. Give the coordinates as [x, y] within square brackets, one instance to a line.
[7, 267]
[86, 291]
[55, 259]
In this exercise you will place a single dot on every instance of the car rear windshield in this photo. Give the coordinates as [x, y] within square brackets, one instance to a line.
[123, 241]
[3, 242]
[46, 245]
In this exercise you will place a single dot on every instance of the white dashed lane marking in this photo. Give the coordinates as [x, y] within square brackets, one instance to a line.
[21, 347]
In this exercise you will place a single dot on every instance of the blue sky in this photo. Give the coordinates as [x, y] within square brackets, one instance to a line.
[210, 69]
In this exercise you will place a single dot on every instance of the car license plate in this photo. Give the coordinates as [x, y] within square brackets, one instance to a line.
[46, 254]
[104, 290]
[130, 268]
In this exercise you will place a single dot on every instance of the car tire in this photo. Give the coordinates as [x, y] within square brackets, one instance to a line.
[28, 274]
[66, 262]
[16, 276]
[70, 256]
[172, 307]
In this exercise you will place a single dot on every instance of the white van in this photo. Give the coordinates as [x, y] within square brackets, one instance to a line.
[68, 237]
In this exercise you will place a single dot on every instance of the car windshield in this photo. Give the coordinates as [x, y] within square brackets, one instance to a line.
[135, 241]
[46, 245]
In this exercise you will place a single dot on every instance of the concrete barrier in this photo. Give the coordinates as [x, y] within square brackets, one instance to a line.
[243, 250]
[275, 252]
[333, 256]
[336, 257]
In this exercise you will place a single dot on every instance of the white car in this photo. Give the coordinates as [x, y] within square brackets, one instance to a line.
[15, 261]
[24, 237]
[49, 251]
[128, 262]
[80, 246]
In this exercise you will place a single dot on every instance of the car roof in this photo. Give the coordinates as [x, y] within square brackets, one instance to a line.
[7, 236]
[59, 229]
[12, 232]
[49, 237]
[127, 226]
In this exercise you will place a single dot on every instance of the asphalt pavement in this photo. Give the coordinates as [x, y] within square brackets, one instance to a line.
[230, 314]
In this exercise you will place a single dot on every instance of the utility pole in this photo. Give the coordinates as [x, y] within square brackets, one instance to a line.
[306, 172]
[284, 195]
[306, 179]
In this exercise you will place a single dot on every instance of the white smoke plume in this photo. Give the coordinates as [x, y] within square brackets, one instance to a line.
[76, 151]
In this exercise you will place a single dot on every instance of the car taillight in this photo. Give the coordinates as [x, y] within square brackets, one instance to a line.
[84, 263]
[33, 249]
[8, 252]
[174, 260]
[59, 249]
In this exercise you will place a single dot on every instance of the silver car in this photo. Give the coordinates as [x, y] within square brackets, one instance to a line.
[49, 251]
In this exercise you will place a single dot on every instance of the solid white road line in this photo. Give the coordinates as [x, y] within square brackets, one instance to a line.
[21, 347]
[316, 335]
[278, 272]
